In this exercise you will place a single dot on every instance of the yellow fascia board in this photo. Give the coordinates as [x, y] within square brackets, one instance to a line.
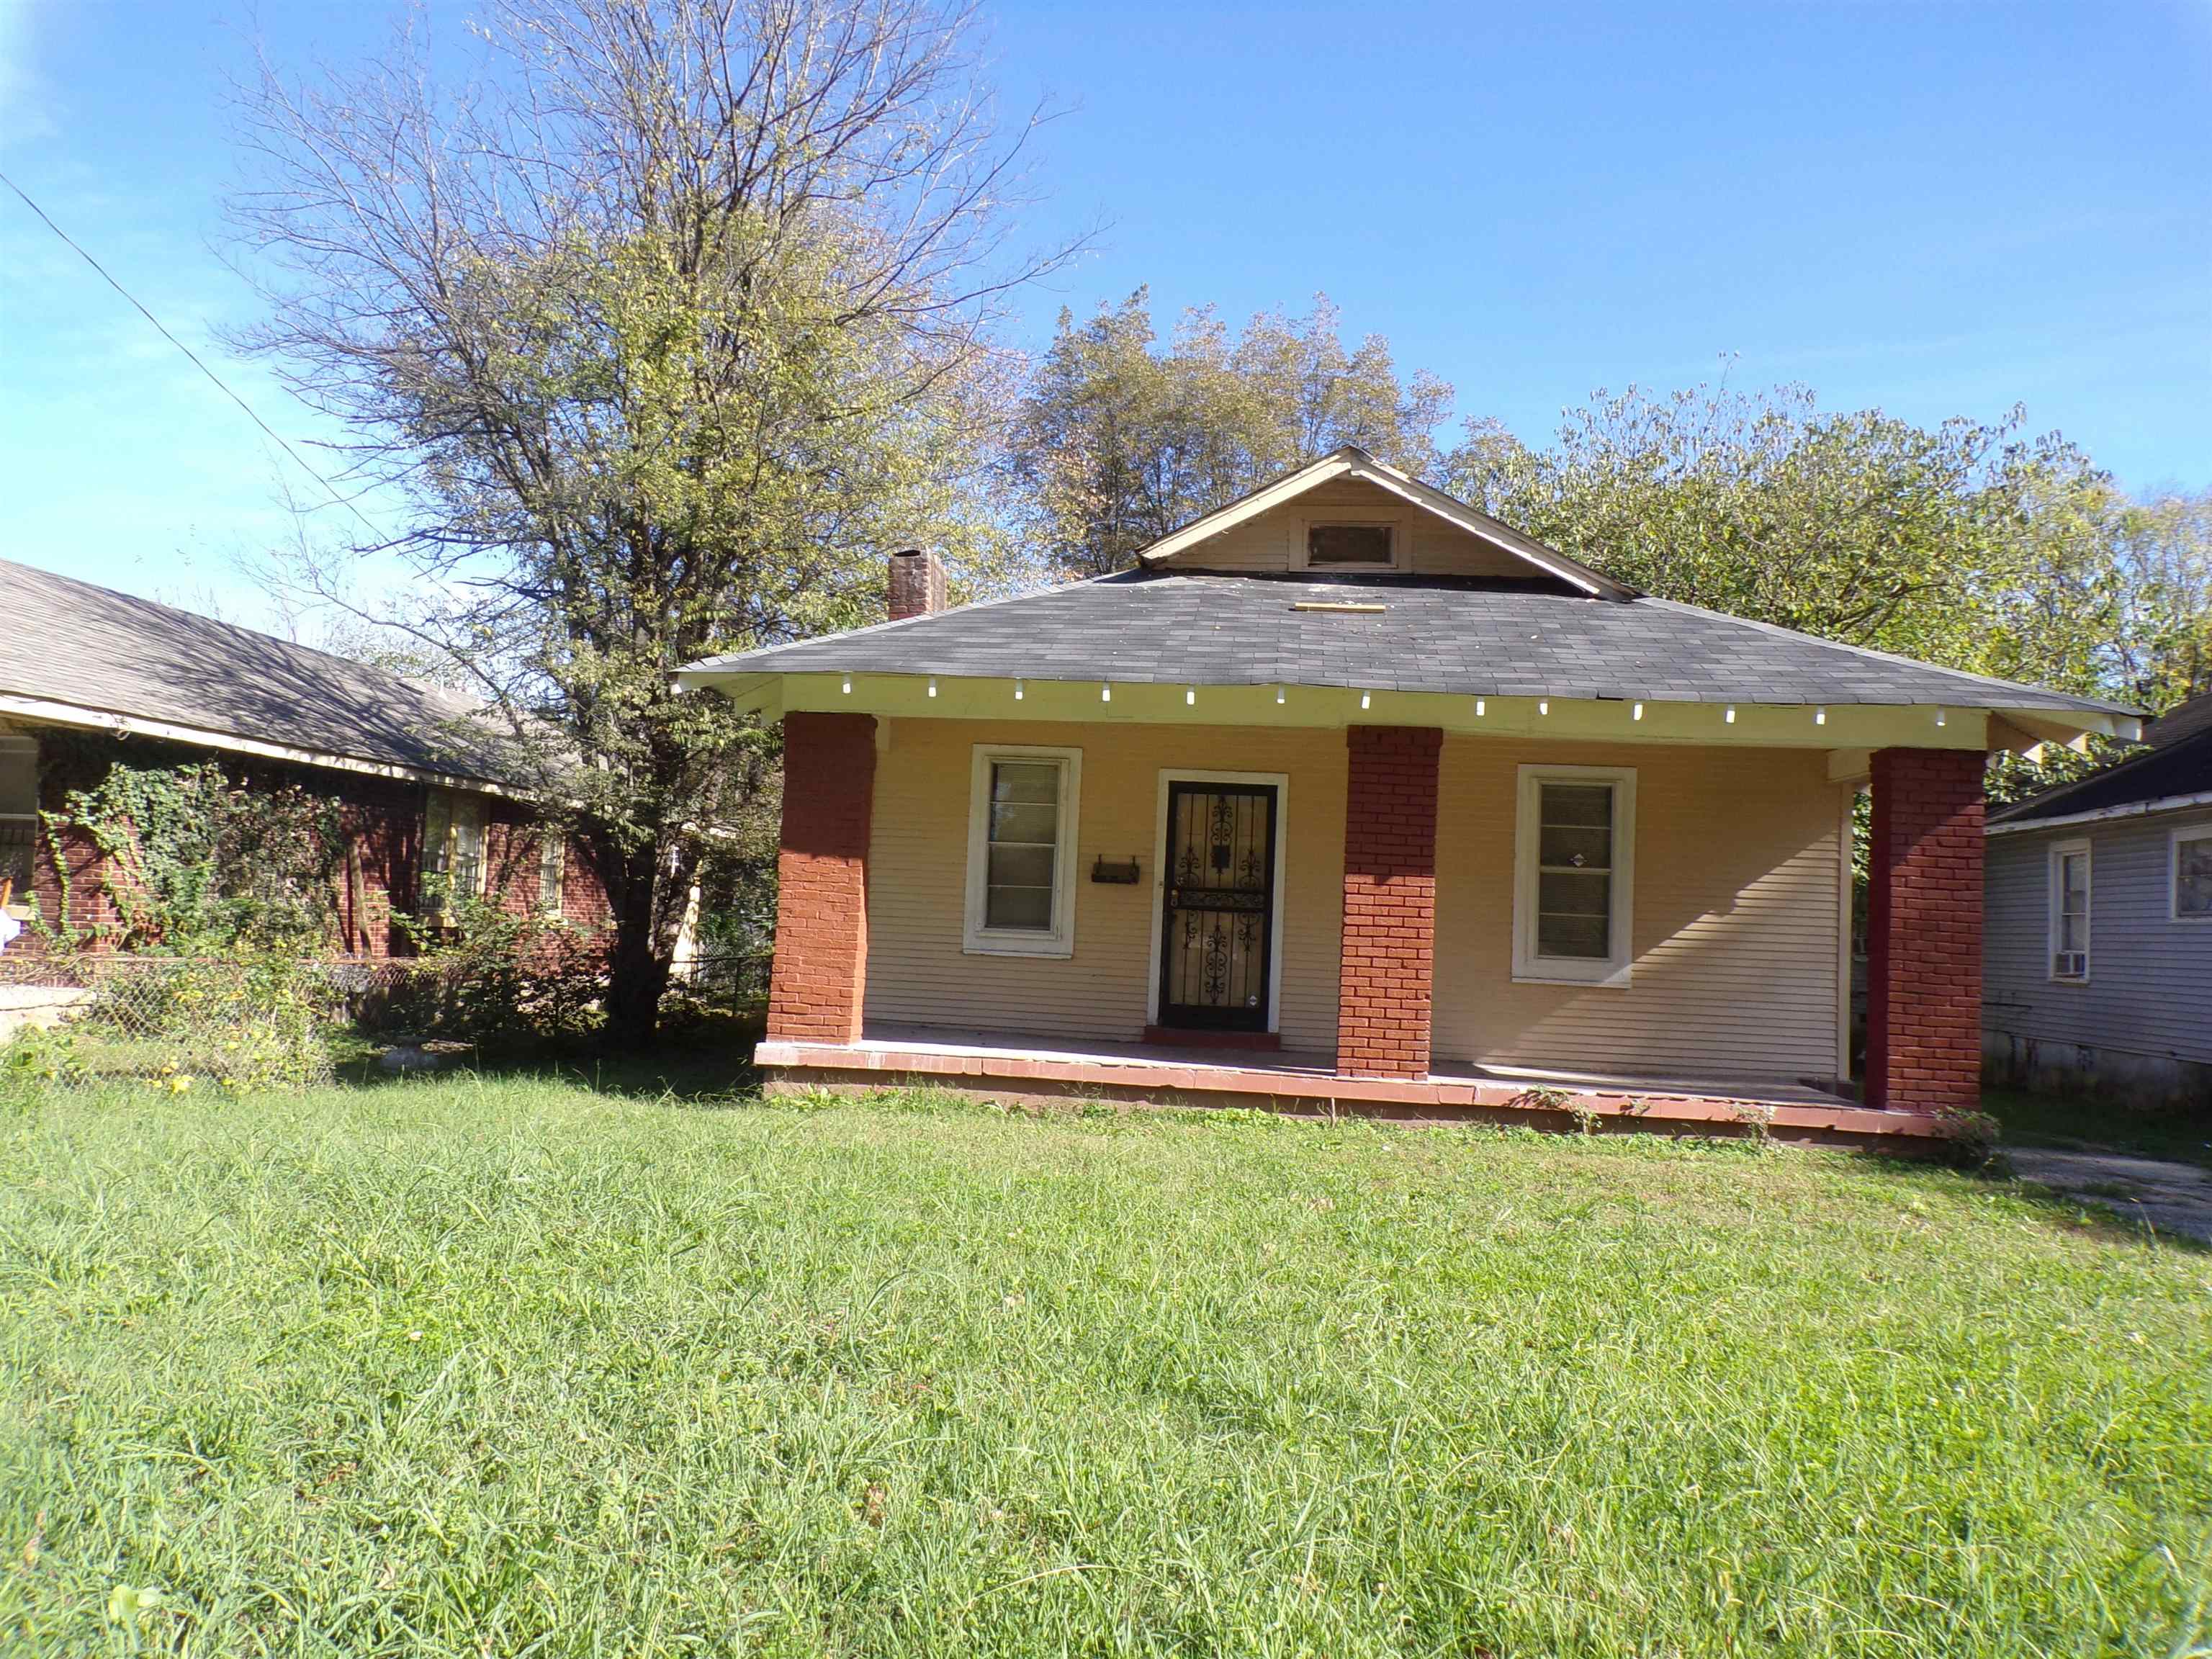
[1773, 726]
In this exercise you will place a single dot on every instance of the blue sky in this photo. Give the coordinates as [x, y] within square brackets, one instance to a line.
[1941, 208]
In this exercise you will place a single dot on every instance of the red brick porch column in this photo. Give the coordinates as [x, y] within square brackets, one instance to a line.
[821, 966]
[1389, 902]
[1924, 931]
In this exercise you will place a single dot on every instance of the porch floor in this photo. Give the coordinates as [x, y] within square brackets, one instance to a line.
[1018, 1065]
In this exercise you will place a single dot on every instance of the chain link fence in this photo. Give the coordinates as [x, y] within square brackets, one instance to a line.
[259, 1022]
[177, 1022]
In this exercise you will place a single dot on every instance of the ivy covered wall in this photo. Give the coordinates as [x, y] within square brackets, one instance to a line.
[153, 846]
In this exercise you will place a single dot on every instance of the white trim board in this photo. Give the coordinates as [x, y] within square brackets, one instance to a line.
[1281, 782]
[2136, 809]
[1615, 970]
[2054, 863]
[2174, 837]
[977, 937]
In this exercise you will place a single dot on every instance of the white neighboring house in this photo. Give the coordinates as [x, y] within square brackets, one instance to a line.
[2098, 947]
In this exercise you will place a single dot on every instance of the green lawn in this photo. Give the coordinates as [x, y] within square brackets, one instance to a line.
[452, 1367]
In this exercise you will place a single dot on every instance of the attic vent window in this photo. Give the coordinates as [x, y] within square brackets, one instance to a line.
[1349, 546]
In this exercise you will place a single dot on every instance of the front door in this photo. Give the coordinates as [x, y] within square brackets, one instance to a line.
[1217, 922]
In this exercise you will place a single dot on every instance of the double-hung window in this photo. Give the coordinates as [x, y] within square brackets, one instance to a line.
[1021, 851]
[453, 852]
[2070, 910]
[1574, 847]
[552, 866]
[2192, 873]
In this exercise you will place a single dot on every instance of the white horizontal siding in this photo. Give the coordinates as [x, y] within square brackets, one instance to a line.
[2150, 990]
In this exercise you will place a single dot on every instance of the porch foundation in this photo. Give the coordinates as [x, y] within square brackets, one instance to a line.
[1924, 932]
[1009, 1070]
[821, 967]
[1386, 981]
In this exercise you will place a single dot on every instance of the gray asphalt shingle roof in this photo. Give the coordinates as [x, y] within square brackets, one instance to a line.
[67, 642]
[2176, 770]
[1440, 635]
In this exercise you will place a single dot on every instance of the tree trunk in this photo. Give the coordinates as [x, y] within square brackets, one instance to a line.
[647, 903]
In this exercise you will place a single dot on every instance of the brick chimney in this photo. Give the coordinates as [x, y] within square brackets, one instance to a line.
[917, 583]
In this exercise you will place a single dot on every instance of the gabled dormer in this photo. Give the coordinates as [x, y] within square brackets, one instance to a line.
[1348, 514]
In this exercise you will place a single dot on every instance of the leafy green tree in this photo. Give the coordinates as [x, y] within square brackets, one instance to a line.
[662, 328]
[1966, 544]
[1118, 441]
[2164, 570]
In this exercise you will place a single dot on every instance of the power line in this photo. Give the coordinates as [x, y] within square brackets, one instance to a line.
[282, 443]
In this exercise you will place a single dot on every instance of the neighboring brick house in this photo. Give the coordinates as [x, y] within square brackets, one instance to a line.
[90, 678]
[1349, 796]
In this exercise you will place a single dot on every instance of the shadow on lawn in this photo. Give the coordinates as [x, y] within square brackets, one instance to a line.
[2077, 1215]
[2083, 1122]
[708, 1062]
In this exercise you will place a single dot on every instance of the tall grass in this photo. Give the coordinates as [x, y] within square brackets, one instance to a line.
[466, 1368]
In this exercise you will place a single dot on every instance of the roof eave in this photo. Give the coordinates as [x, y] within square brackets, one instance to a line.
[2134, 809]
[45, 711]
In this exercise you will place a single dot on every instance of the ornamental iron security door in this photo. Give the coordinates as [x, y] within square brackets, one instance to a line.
[1218, 907]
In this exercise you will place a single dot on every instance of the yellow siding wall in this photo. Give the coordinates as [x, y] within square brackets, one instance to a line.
[918, 874]
[1267, 542]
[1736, 901]
[1737, 866]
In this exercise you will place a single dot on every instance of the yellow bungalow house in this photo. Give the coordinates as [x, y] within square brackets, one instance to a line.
[1350, 797]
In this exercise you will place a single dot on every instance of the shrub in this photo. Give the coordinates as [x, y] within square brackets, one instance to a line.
[493, 975]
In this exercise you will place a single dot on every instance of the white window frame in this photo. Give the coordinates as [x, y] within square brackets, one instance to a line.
[978, 939]
[2186, 832]
[1531, 967]
[1280, 782]
[2055, 886]
[1398, 549]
